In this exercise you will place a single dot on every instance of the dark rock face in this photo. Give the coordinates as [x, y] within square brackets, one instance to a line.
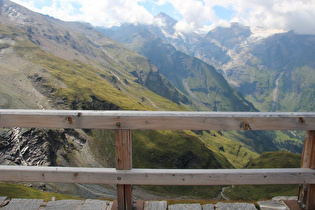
[19, 147]
[38, 147]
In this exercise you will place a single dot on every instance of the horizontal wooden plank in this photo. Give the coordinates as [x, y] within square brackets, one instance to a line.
[157, 120]
[158, 176]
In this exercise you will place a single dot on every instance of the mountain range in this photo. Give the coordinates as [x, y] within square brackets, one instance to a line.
[274, 73]
[47, 63]
[196, 79]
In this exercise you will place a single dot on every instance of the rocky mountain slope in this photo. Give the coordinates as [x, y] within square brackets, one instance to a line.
[288, 60]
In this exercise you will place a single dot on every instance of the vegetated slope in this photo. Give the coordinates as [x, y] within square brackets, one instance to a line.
[288, 59]
[49, 64]
[198, 80]
[278, 159]
[28, 192]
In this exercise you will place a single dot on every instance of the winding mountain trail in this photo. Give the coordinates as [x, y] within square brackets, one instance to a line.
[223, 190]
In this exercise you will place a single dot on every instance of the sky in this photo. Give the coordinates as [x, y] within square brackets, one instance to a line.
[192, 15]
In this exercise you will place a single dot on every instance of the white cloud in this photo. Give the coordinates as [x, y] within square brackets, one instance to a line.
[102, 13]
[114, 12]
[297, 15]
[195, 15]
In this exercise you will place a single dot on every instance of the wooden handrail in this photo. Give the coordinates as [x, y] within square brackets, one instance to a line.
[125, 121]
[158, 176]
[157, 120]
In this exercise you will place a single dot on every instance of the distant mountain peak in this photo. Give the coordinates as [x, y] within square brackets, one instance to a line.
[165, 19]
[239, 25]
[235, 29]
[230, 36]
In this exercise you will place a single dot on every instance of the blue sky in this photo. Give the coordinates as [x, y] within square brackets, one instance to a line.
[192, 15]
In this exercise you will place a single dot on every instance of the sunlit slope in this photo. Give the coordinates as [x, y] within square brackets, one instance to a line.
[73, 84]
[278, 159]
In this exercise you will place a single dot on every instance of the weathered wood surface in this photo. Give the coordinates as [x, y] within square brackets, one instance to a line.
[124, 196]
[123, 149]
[308, 155]
[123, 156]
[157, 120]
[158, 176]
[25, 204]
[307, 192]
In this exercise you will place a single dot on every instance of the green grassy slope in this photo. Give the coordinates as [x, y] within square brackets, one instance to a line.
[78, 85]
[21, 191]
[278, 159]
[237, 153]
[283, 69]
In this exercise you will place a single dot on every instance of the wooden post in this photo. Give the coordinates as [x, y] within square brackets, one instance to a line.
[123, 153]
[306, 197]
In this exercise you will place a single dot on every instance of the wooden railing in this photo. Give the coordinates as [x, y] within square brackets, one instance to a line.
[125, 176]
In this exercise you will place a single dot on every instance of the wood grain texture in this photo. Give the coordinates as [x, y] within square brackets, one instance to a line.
[157, 120]
[308, 155]
[158, 176]
[124, 197]
[123, 149]
[308, 161]
[123, 156]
